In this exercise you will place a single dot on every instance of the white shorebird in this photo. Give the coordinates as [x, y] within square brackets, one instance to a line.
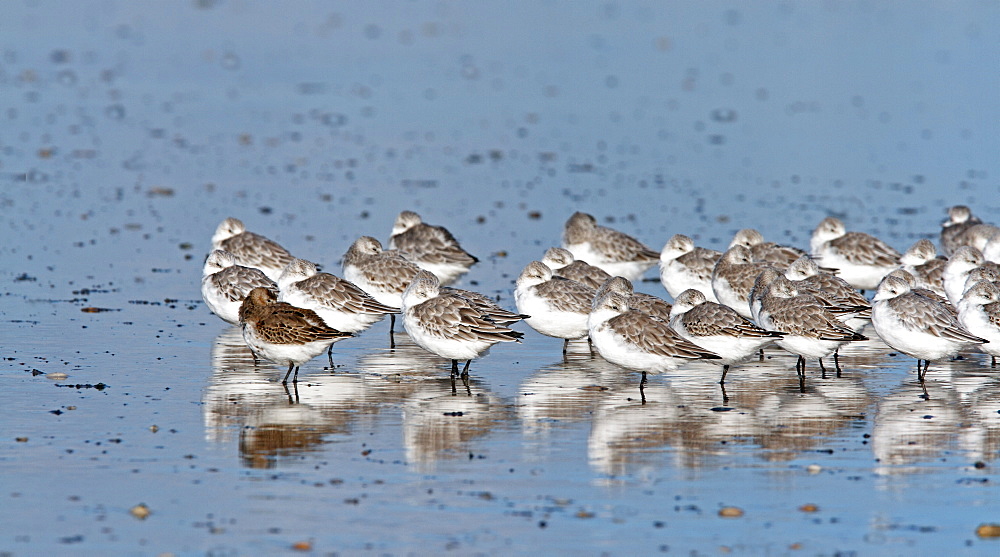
[718, 328]
[558, 307]
[733, 278]
[225, 284]
[911, 281]
[960, 219]
[956, 272]
[563, 264]
[251, 250]
[684, 266]
[916, 325]
[977, 236]
[637, 341]
[449, 325]
[616, 252]
[432, 248]
[283, 333]
[761, 251]
[989, 274]
[861, 259]
[384, 275]
[980, 315]
[922, 261]
[842, 300]
[646, 303]
[811, 331]
[342, 304]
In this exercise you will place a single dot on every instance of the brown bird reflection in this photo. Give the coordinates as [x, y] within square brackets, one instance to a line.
[273, 421]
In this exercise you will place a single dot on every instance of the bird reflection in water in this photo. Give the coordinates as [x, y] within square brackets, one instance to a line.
[682, 418]
[911, 433]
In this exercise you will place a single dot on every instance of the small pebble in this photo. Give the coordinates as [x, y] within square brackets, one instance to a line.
[814, 468]
[56, 376]
[730, 512]
[808, 508]
[988, 531]
[302, 546]
[140, 511]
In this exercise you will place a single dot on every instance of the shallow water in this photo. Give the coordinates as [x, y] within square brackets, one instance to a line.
[131, 130]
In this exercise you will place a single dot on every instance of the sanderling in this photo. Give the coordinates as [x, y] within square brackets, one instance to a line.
[224, 284]
[956, 272]
[917, 325]
[487, 306]
[983, 272]
[342, 304]
[283, 333]
[431, 247]
[563, 264]
[733, 278]
[637, 341]
[860, 259]
[384, 275]
[991, 250]
[922, 261]
[559, 307]
[448, 324]
[980, 315]
[684, 266]
[978, 236]
[251, 250]
[766, 252]
[960, 219]
[616, 252]
[646, 303]
[718, 328]
[810, 329]
[760, 285]
[840, 298]
[911, 281]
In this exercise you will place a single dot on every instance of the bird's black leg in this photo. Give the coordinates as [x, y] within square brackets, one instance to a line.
[465, 369]
[642, 388]
[329, 356]
[725, 370]
[290, 368]
[454, 368]
[822, 369]
[392, 328]
[836, 361]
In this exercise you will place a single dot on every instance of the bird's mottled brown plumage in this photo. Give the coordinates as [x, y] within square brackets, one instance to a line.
[281, 323]
[918, 313]
[384, 270]
[487, 306]
[618, 246]
[237, 281]
[653, 335]
[710, 319]
[564, 294]
[251, 250]
[419, 241]
[341, 294]
[450, 315]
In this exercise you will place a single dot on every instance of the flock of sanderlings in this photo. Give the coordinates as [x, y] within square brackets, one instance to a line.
[727, 306]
